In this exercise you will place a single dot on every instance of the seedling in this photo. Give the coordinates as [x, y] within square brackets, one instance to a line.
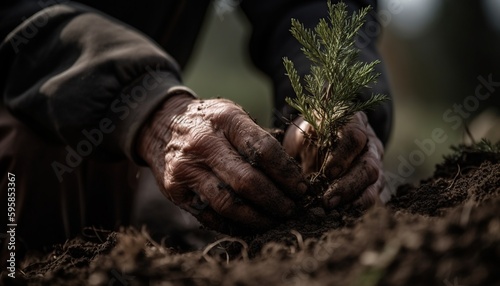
[329, 97]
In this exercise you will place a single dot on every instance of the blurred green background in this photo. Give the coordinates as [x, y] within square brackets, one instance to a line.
[221, 67]
[434, 51]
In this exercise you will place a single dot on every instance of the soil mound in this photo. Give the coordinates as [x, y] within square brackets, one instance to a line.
[446, 231]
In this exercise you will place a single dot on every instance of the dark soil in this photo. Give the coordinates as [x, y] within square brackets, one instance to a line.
[444, 232]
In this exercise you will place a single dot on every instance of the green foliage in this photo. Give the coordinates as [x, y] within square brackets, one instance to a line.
[487, 146]
[329, 97]
[483, 146]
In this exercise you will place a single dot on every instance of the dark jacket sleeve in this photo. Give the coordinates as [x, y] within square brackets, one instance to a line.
[75, 75]
[271, 41]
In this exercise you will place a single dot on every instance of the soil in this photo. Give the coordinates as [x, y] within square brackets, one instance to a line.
[446, 231]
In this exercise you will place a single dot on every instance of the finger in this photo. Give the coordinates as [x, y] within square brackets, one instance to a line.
[373, 192]
[200, 192]
[371, 195]
[294, 137]
[298, 144]
[246, 181]
[375, 145]
[222, 199]
[350, 144]
[264, 152]
[349, 187]
[310, 160]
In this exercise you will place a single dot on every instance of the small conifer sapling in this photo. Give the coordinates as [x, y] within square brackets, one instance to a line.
[329, 96]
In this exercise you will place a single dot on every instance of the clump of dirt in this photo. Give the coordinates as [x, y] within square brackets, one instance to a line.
[466, 175]
[444, 232]
[312, 222]
[69, 261]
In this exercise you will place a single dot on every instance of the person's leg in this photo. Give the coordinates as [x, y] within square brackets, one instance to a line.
[38, 207]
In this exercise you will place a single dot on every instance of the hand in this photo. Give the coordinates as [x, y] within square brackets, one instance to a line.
[211, 159]
[354, 167]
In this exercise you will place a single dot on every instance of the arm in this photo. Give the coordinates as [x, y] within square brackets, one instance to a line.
[84, 73]
[69, 69]
[213, 160]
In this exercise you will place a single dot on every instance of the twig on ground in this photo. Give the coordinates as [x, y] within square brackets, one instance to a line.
[300, 240]
[244, 250]
[455, 178]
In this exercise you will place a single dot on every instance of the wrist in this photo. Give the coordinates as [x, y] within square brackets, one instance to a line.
[157, 130]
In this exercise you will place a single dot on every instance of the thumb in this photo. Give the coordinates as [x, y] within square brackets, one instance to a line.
[297, 144]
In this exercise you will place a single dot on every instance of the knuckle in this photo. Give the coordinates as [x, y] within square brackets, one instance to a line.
[225, 110]
[358, 137]
[248, 178]
[174, 192]
[184, 174]
[171, 172]
[267, 144]
[370, 194]
[352, 140]
[202, 146]
[261, 147]
[375, 156]
[371, 170]
[334, 189]
[177, 169]
[367, 199]
[223, 203]
[334, 170]
[375, 149]
[380, 184]
[200, 141]
[362, 117]
[196, 204]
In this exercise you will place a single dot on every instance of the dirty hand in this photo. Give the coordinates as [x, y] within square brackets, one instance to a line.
[354, 167]
[212, 160]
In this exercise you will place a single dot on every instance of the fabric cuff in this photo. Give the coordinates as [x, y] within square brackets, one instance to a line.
[131, 110]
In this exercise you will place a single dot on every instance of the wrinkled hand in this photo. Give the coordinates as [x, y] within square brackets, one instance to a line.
[211, 159]
[355, 166]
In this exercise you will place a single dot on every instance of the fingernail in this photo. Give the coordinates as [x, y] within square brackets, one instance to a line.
[334, 201]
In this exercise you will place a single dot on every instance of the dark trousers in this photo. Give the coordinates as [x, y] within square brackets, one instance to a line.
[48, 209]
